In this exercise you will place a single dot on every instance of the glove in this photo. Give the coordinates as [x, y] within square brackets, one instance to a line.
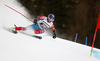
[54, 34]
[35, 21]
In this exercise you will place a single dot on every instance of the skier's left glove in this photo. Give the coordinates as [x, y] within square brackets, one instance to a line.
[35, 21]
[54, 34]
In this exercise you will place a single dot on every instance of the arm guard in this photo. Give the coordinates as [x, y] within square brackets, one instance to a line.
[54, 33]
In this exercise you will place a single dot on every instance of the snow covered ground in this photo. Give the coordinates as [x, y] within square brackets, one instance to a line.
[20, 47]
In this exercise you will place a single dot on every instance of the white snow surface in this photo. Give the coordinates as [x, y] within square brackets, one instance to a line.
[20, 47]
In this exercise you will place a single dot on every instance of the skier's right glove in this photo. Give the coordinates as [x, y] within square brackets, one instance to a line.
[35, 21]
[54, 34]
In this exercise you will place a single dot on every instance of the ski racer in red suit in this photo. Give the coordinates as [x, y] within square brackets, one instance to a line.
[40, 24]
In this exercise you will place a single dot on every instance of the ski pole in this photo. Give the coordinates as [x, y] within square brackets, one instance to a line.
[18, 12]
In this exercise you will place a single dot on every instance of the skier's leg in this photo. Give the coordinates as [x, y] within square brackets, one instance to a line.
[36, 29]
[30, 27]
[20, 28]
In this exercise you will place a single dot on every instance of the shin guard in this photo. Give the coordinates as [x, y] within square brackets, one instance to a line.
[20, 28]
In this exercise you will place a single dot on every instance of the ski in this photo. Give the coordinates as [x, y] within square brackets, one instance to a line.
[15, 32]
[39, 37]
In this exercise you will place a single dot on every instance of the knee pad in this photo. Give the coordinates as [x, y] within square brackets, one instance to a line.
[39, 31]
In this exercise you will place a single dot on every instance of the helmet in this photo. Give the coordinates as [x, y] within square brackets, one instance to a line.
[51, 17]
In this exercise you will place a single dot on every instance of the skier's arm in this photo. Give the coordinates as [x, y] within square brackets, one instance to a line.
[54, 32]
[36, 19]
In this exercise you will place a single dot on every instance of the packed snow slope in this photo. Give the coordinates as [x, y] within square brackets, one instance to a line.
[20, 47]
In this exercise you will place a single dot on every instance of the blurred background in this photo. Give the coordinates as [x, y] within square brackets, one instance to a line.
[71, 17]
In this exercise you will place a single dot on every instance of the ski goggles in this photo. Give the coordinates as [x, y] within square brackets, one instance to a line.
[51, 19]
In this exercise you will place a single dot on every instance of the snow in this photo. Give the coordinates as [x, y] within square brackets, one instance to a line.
[20, 47]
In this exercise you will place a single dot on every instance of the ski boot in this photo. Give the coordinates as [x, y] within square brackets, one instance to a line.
[13, 29]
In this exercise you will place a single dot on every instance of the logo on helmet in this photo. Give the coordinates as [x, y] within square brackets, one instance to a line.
[52, 15]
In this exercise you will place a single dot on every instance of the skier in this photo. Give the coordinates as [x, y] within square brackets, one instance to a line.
[39, 25]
